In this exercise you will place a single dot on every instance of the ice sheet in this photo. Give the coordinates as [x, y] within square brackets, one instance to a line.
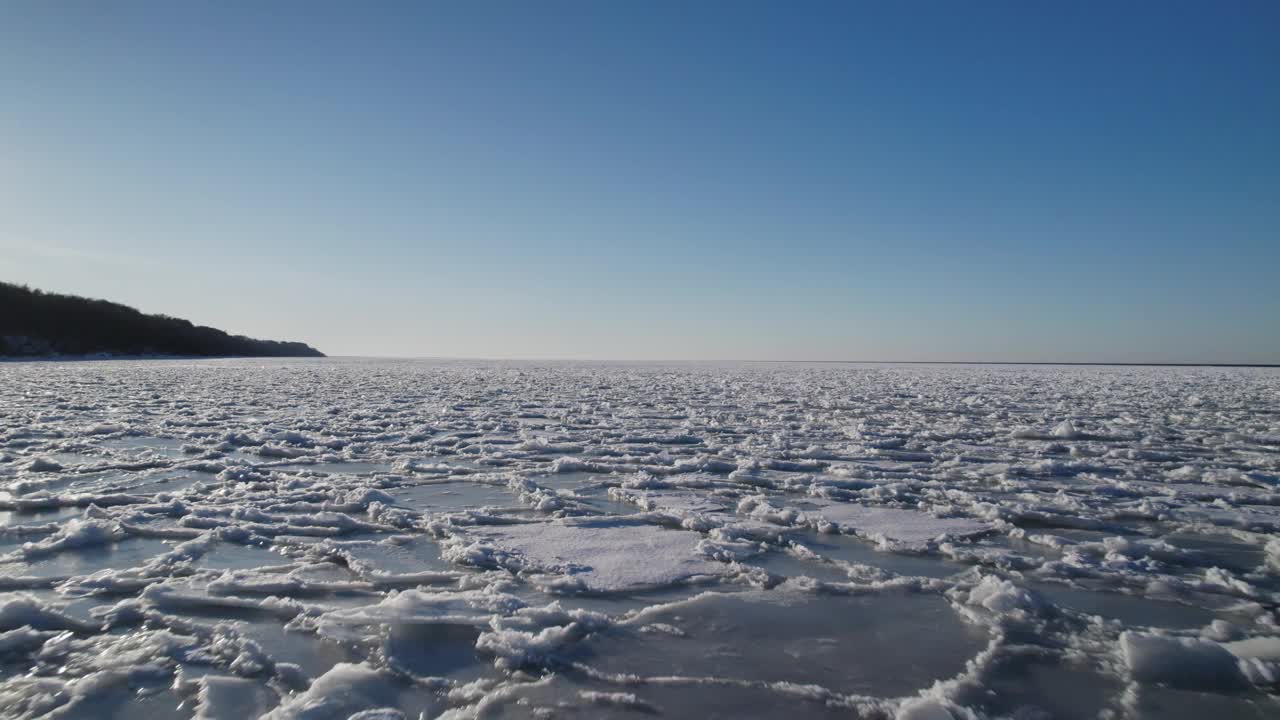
[502, 539]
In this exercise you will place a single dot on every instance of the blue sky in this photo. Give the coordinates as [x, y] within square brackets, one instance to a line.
[915, 180]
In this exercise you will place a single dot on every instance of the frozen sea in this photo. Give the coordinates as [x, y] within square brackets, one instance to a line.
[333, 539]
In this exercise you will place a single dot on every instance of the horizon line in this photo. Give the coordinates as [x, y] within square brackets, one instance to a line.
[460, 358]
[803, 361]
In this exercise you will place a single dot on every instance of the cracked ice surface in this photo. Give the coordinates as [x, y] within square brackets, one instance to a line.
[326, 538]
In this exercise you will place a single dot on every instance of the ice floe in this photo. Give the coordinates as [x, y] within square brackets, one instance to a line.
[378, 540]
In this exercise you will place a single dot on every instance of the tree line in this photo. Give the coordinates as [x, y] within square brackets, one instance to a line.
[35, 323]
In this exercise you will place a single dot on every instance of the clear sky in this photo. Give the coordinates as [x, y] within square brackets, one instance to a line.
[658, 180]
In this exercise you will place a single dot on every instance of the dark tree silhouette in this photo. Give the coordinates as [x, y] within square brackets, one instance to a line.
[35, 323]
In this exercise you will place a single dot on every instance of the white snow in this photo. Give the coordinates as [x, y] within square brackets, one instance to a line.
[380, 540]
[592, 555]
[895, 526]
[345, 690]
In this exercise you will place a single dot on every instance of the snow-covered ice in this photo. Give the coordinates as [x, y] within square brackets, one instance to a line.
[402, 539]
[587, 554]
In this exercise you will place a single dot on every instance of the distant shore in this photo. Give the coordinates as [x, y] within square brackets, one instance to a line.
[35, 324]
[101, 357]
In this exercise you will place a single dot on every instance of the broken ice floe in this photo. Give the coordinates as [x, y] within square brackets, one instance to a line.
[404, 539]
